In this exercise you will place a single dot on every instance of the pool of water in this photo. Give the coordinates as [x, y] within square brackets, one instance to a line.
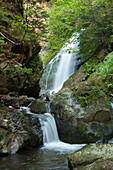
[44, 158]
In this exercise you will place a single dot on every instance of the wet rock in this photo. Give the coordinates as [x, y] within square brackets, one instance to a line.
[92, 157]
[38, 106]
[18, 130]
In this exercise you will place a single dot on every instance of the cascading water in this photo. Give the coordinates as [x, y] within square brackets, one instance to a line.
[51, 139]
[49, 128]
[67, 64]
[61, 67]
[50, 135]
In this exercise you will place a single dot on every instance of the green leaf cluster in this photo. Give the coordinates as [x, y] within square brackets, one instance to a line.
[106, 72]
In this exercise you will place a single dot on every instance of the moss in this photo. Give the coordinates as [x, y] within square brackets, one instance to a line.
[3, 90]
[108, 105]
[100, 73]
[88, 136]
[101, 117]
[92, 157]
[4, 137]
[26, 124]
[1, 70]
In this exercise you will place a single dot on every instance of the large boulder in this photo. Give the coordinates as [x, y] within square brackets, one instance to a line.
[92, 157]
[77, 124]
[82, 108]
[18, 130]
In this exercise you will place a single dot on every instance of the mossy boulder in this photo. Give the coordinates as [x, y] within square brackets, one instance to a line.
[92, 157]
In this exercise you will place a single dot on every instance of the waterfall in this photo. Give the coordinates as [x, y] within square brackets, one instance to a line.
[49, 128]
[50, 134]
[49, 71]
[61, 67]
[67, 64]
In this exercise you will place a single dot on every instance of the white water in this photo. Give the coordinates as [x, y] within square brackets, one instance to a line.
[67, 64]
[49, 71]
[48, 125]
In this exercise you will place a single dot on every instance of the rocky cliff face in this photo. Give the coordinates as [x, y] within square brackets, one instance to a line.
[20, 65]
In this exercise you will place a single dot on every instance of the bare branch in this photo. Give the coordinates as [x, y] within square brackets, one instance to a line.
[8, 39]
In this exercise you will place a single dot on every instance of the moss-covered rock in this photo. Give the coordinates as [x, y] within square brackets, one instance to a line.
[92, 157]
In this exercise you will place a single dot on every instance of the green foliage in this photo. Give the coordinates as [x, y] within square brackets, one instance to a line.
[60, 25]
[106, 72]
[91, 66]
[100, 73]
[94, 17]
[92, 95]
[19, 71]
[34, 21]
[3, 18]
